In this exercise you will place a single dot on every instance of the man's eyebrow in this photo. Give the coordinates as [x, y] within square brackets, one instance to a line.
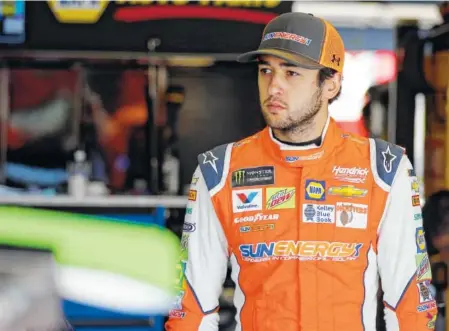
[284, 64]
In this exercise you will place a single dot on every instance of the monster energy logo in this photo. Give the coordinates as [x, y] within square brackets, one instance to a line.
[239, 177]
[253, 176]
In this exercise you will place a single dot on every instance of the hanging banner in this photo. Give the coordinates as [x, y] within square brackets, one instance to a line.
[178, 26]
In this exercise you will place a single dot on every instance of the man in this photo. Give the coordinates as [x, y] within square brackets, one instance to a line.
[307, 215]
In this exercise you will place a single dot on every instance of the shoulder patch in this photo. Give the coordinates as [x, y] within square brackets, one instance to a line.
[387, 156]
[212, 165]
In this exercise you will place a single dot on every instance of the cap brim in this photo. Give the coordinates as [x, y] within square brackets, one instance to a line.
[291, 58]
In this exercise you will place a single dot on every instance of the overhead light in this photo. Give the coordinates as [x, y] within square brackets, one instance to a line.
[374, 14]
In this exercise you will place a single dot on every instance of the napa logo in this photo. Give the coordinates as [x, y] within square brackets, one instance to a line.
[300, 250]
[81, 11]
[420, 240]
[315, 190]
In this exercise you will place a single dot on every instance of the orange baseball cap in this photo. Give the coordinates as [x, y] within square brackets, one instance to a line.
[303, 40]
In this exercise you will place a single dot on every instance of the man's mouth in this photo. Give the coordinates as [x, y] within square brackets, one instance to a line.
[275, 106]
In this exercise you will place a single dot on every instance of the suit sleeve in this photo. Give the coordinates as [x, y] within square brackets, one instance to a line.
[203, 264]
[403, 262]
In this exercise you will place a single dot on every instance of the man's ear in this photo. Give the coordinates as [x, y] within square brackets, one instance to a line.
[332, 86]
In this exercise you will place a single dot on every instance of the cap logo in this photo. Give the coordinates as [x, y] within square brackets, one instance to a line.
[335, 59]
[288, 36]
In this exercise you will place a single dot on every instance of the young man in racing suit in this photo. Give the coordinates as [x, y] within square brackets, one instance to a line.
[308, 216]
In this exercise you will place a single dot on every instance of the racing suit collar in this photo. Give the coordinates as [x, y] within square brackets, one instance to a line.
[298, 156]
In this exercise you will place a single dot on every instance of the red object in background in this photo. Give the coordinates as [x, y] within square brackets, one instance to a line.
[386, 66]
[33, 88]
[385, 71]
[141, 13]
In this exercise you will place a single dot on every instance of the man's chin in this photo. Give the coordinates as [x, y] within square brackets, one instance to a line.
[275, 122]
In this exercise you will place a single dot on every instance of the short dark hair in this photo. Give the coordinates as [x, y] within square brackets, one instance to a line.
[326, 73]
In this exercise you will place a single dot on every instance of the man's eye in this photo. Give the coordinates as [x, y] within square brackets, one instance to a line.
[264, 71]
[292, 73]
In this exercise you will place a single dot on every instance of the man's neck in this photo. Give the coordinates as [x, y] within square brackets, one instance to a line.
[308, 132]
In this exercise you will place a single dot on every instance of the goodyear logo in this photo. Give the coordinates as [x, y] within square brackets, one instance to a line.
[420, 240]
[300, 250]
[81, 11]
[348, 191]
[315, 190]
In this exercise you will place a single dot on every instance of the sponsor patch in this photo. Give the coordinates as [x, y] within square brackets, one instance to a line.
[351, 215]
[192, 195]
[425, 295]
[253, 176]
[177, 304]
[280, 198]
[314, 213]
[432, 320]
[256, 227]
[348, 191]
[315, 190]
[426, 306]
[181, 284]
[416, 201]
[194, 180]
[295, 158]
[189, 227]
[420, 240]
[423, 271]
[352, 175]
[256, 218]
[288, 36]
[415, 186]
[417, 217]
[300, 250]
[175, 313]
[246, 200]
[189, 211]
[185, 241]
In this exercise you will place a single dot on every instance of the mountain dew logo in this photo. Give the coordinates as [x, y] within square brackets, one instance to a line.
[280, 198]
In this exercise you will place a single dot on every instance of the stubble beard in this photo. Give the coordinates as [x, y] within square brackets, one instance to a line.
[301, 123]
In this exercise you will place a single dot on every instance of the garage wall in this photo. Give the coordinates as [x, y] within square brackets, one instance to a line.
[221, 106]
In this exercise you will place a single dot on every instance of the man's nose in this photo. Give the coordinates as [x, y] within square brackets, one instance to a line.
[275, 87]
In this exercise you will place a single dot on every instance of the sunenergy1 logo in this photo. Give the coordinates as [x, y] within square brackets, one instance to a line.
[300, 250]
[246, 200]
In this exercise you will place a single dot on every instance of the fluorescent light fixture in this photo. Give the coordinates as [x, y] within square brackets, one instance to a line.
[378, 15]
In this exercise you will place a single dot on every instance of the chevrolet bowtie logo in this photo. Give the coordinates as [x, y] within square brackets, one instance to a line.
[348, 191]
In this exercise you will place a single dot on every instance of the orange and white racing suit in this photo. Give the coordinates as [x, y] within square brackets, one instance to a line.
[308, 231]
